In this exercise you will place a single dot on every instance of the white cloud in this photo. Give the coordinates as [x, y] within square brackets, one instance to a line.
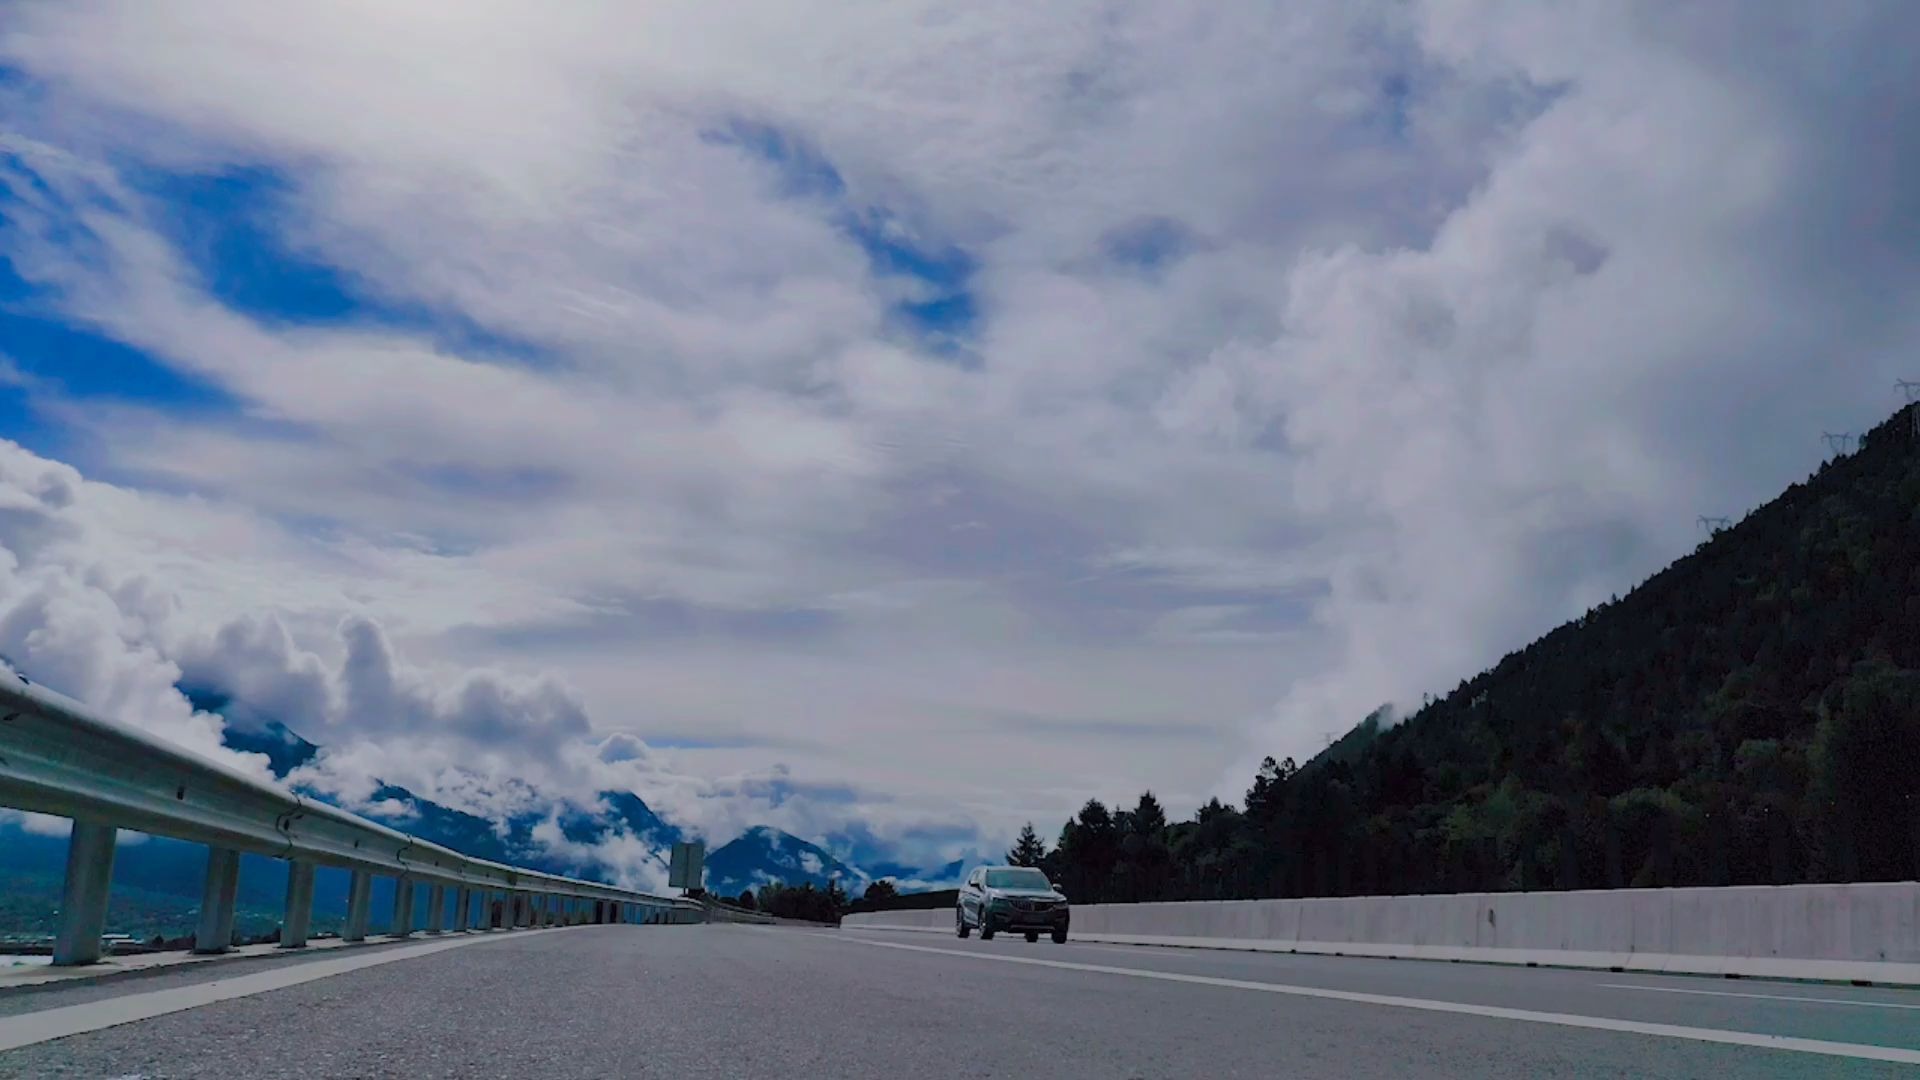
[1320, 356]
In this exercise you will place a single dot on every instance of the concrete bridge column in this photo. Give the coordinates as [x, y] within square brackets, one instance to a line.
[402, 925]
[299, 917]
[214, 934]
[83, 899]
[359, 906]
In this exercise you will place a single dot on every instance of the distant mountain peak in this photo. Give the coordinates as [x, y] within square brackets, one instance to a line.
[757, 856]
[764, 854]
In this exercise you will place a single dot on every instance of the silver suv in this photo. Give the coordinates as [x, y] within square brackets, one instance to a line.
[1015, 898]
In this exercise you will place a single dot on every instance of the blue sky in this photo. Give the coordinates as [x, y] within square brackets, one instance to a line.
[899, 426]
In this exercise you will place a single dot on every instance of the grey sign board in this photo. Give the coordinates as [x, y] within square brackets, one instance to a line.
[689, 866]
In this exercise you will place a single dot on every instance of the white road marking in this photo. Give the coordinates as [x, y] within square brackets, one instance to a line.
[1858, 1051]
[46, 1025]
[1764, 997]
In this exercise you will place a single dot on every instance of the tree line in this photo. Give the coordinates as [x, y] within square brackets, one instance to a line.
[1750, 715]
[803, 901]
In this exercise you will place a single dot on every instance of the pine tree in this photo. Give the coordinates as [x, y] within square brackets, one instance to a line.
[1029, 850]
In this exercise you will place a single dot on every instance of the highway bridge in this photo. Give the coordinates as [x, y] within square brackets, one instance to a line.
[514, 973]
[727, 1001]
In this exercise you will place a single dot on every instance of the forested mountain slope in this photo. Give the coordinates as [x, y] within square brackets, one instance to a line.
[1749, 715]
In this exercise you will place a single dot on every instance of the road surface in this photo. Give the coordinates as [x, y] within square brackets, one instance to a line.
[741, 1002]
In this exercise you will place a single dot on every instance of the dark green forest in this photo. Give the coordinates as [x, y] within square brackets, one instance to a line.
[1750, 715]
[801, 901]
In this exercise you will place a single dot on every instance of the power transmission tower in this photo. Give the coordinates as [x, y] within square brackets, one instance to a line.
[1838, 443]
[1714, 525]
[1910, 389]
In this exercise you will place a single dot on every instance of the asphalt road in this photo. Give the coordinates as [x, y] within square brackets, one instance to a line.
[742, 1002]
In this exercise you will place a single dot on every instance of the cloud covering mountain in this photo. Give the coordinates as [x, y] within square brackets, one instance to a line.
[898, 417]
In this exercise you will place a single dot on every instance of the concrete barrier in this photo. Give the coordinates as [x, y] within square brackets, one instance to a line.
[932, 919]
[1846, 933]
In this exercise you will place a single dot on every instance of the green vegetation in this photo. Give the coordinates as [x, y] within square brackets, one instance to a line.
[1028, 849]
[1750, 715]
[803, 901]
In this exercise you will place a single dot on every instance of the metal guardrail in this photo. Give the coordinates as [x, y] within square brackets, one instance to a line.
[59, 758]
[721, 912]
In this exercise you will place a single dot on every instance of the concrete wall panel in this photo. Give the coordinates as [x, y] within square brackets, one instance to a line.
[1869, 931]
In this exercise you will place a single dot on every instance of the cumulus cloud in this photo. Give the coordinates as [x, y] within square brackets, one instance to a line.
[80, 623]
[479, 741]
[909, 414]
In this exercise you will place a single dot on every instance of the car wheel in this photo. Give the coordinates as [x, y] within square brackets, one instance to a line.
[960, 926]
[1033, 936]
[1060, 936]
[986, 929]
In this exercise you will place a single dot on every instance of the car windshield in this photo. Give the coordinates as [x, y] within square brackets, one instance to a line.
[1017, 879]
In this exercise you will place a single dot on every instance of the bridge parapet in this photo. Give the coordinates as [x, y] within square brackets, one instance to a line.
[60, 758]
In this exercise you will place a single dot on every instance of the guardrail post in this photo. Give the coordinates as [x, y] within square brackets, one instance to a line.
[402, 925]
[299, 917]
[436, 907]
[462, 910]
[523, 910]
[83, 899]
[359, 906]
[215, 932]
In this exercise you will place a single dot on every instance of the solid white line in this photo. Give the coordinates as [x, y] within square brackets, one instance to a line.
[1859, 1051]
[1764, 997]
[46, 1025]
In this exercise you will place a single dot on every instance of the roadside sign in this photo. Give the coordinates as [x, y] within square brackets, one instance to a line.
[689, 866]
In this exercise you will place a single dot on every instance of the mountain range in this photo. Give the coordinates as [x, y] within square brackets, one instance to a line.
[1749, 715]
[157, 872]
